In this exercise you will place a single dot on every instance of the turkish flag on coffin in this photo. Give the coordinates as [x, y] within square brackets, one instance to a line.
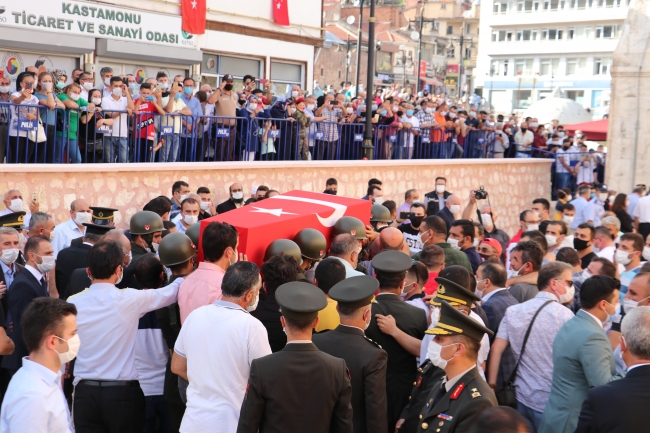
[193, 13]
[283, 216]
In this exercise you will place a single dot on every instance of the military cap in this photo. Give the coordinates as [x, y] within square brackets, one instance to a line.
[312, 243]
[354, 292]
[96, 229]
[453, 322]
[350, 225]
[15, 220]
[300, 301]
[453, 293]
[103, 216]
[176, 248]
[391, 262]
[283, 246]
[194, 231]
[146, 222]
[380, 213]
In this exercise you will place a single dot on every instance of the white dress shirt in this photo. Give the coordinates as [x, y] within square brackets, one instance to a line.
[642, 210]
[485, 298]
[349, 270]
[107, 322]
[607, 253]
[219, 341]
[179, 225]
[65, 233]
[35, 272]
[34, 402]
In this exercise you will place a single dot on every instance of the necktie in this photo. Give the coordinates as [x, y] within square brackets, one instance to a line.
[44, 285]
[441, 393]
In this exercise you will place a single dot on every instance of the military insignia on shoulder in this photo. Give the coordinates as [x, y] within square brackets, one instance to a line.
[457, 391]
[475, 393]
[441, 289]
[376, 344]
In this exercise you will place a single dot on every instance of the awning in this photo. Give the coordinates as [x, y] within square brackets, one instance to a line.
[147, 52]
[595, 131]
[47, 42]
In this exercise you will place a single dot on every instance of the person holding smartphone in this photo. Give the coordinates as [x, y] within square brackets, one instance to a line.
[21, 148]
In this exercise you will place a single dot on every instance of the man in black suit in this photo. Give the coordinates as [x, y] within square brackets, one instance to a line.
[620, 405]
[299, 388]
[491, 279]
[364, 358]
[277, 271]
[449, 212]
[74, 256]
[30, 284]
[235, 201]
[436, 200]
[391, 267]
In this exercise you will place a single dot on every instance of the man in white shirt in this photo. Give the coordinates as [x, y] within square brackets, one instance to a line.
[411, 128]
[13, 201]
[106, 73]
[119, 100]
[215, 349]
[501, 141]
[604, 243]
[524, 137]
[581, 205]
[641, 216]
[345, 248]
[107, 395]
[73, 228]
[50, 334]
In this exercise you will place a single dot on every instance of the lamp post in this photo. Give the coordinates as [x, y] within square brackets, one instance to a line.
[368, 147]
[420, 23]
[491, 86]
[359, 35]
[461, 40]
[349, 48]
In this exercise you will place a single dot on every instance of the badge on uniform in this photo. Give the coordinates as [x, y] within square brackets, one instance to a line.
[419, 381]
[457, 391]
[475, 393]
[445, 416]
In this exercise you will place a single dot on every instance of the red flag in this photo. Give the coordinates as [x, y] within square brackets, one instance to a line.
[281, 12]
[283, 216]
[193, 13]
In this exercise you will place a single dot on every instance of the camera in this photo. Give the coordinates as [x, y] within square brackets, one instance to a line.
[481, 193]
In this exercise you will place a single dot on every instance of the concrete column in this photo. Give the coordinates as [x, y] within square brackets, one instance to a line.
[628, 156]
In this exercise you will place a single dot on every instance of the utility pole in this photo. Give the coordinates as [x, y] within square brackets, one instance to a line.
[368, 145]
[359, 37]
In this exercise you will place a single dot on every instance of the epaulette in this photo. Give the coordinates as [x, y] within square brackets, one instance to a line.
[376, 344]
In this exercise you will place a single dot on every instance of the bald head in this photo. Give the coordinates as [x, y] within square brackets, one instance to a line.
[80, 205]
[119, 237]
[206, 88]
[453, 199]
[391, 239]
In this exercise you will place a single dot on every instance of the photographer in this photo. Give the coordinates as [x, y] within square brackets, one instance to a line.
[488, 217]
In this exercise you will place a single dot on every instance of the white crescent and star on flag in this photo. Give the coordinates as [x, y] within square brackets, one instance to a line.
[278, 3]
[276, 212]
[339, 209]
[193, 4]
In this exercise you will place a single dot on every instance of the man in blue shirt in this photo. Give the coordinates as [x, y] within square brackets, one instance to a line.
[581, 205]
[190, 123]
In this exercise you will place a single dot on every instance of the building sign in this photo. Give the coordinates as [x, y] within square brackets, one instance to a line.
[13, 63]
[97, 20]
[386, 78]
[383, 63]
[423, 69]
[452, 70]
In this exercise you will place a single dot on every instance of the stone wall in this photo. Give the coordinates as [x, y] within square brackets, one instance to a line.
[512, 183]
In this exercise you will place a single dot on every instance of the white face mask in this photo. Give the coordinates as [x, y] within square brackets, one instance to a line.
[310, 107]
[532, 227]
[646, 253]
[238, 195]
[16, 205]
[4, 89]
[349, 110]
[568, 296]
[567, 219]
[551, 240]
[253, 306]
[47, 265]
[454, 208]
[515, 273]
[440, 189]
[9, 256]
[117, 91]
[454, 244]
[75, 96]
[52, 235]
[603, 196]
[475, 242]
[585, 274]
[379, 200]
[88, 86]
[183, 197]
[294, 94]
[74, 343]
[472, 113]
[434, 354]
[190, 219]
[205, 205]
[629, 305]
[96, 101]
[487, 221]
[622, 257]
[82, 217]
[452, 115]
[156, 248]
[119, 280]
[252, 106]
[429, 110]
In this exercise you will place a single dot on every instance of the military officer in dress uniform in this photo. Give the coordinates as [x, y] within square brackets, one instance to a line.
[455, 401]
[365, 358]
[430, 372]
[102, 216]
[74, 256]
[298, 388]
[390, 268]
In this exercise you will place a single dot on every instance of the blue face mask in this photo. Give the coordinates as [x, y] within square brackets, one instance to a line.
[409, 113]
[149, 98]
[188, 90]
[383, 112]
[592, 196]
[177, 96]
[374, 107]
[132, 86]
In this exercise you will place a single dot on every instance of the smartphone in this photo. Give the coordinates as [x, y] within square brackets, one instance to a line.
[406, 215]
[158, 86]
[263, 80]
[334, 103]
[34, 196]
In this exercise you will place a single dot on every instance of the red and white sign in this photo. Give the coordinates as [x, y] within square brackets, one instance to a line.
[423, 68]
[283, 216]
[194, 16]
[281, 12]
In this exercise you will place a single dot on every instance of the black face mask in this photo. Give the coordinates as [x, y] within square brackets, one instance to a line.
[400, 113]
[524, 129]
[228, 87]
[484, 256]
[242, 101]
[416, 221]
[565, 147]
[580, 244]
[426, 93]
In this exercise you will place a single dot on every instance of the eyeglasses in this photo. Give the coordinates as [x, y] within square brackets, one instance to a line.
[569, 283]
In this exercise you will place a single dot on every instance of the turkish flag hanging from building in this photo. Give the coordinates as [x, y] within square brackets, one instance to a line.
[193, 13]
[283, 216]
[281, 12]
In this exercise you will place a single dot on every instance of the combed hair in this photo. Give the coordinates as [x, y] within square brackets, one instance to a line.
[147, 271]
[42, 317]
[603, 231]
[636, 331]
[432, 255]
[467, 227]
[545, 203]
[32, 244]
[343, 245]
[37, 219]
[8, 231]
[592, 231]
[408, 193]
[374, 181]
[530, 252]
[436, 224]
[502, 419]
[390, 205]
[190, 200]
[562, 224]
[472, 346]
[203, 190]
[239, 279]
[551, 271]
[607, 267]
[390, 281]
[372, 188]
[493, 270]
[637, 240]
[568, 206]
[537, 237]
[177, 185]
[217, 237]
[298, 325]
[612, 220]
[278, 270]
[328, 273]
[418, 205]
[522, 216]
[103, 258]
[568, 255]
[479, 226]
[420, 272]
[597, 288]
[584, 189]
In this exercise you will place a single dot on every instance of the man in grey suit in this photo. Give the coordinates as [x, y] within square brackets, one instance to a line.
[582, 355]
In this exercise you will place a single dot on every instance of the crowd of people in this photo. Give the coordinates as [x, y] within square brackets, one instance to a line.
[50, 118]
[429, 318]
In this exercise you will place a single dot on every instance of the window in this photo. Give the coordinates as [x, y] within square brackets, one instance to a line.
[523, 99]
[285, 75]
[435, 26]
[533, 35]
[502, 36]
[550, 5]
[443, 6]
[322, 72]
[450, 30]
[215, 66]
[571, 31]
[576, 65]
[605, 32]
[500, 7]
[552, 34]
[602, 65]
[524, 67]
[576, 95]
[549, 67]
[451, 53]
[468, 29]
[468, 53]
[526, 35]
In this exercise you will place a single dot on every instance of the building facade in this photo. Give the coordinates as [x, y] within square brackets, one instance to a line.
[531, 48]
